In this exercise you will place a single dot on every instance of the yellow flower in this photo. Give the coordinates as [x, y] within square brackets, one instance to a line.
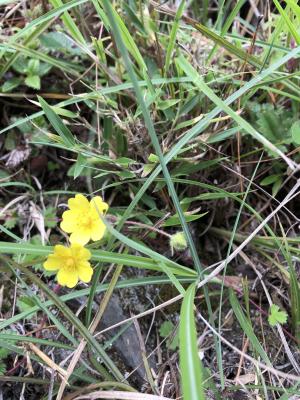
[72, 264]
[82, 219]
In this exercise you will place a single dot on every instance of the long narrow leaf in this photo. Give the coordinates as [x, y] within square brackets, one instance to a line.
[69, 23]
[57, 123]
[172, 38]
[247, 328]
[101, 255]
[190, 364]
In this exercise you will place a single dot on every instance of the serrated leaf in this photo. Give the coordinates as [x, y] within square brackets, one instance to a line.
[10, 222]
[50, 217]
[276, 316]
[33, 81]
[166, 329]
[153, 158]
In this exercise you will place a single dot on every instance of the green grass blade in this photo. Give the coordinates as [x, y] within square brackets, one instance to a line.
[292, 28]
[172, 39]
[231, 48]
[247, 328]
[69, 23]
[126, 37]
[57, 123]
[30, 339]
[227, 24]
[295, 302]
[190, 364]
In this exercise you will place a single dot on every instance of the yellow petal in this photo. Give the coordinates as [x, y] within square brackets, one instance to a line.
[81, 236]
[98, 230]
[61, 251]
[85, 271]
[78, 202]
[53, 263]
[99, 205]
[79, 252]
[67, 278]
[69, 221]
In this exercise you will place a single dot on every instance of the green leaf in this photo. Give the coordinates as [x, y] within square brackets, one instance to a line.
[33, 67]
[166, 330]
[11, 84]
[270, 179]
[295, 131]
[276, 186]
[59, 41]
[231, 48]
[33, 81]
[79, 165]
[190, 364]
[3, 353]
[175, 221]
[276, 316]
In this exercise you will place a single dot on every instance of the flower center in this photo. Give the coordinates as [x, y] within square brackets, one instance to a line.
[85, 220]
[70, 263]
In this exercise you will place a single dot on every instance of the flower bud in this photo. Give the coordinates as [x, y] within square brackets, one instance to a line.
[178, 241]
